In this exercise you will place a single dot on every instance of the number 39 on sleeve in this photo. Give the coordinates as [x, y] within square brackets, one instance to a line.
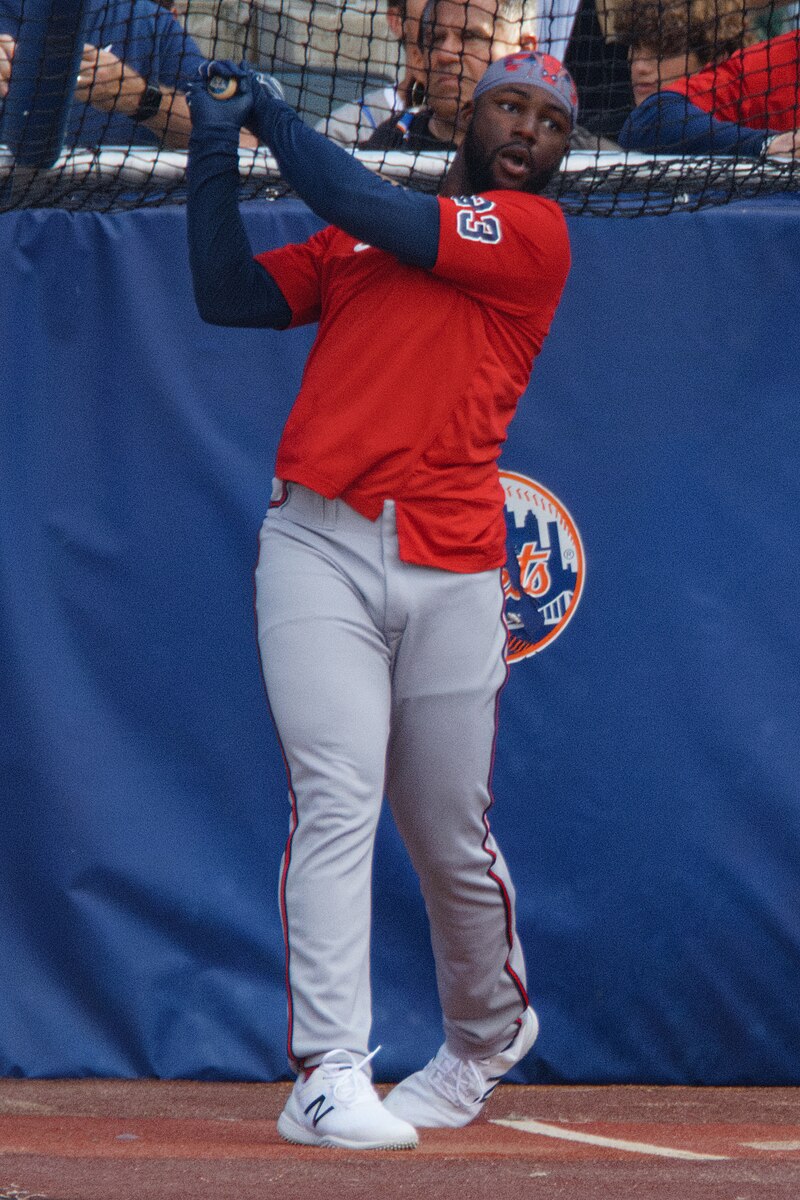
[479, 229]
[474, 223]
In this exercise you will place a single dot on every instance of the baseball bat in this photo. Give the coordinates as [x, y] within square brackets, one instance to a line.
[222, 87]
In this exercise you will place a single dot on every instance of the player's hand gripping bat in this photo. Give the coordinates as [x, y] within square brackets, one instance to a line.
[226, 97]
[224, 80]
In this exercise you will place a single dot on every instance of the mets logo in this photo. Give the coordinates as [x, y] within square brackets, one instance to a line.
[545, 567]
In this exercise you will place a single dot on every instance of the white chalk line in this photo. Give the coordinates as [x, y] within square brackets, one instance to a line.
[772, 1145]
[596, 1139]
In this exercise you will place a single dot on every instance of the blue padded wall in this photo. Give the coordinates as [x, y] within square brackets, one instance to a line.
[647, 777]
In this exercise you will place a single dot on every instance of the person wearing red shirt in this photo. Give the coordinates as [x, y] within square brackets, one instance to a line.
[748, 105]
[378, 587]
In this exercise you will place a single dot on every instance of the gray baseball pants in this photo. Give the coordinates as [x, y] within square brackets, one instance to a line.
[384, 676]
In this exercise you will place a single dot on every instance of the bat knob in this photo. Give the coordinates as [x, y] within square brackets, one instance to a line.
[222, 87]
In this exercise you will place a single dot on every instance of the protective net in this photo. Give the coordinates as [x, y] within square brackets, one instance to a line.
[683, 103]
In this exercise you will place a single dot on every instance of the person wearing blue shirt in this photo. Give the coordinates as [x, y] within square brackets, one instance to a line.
[137, 62]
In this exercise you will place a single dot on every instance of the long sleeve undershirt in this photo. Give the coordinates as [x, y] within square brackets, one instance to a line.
[231, 288]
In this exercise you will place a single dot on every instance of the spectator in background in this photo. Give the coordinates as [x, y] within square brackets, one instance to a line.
[135, 67]
[353, 123]
[597, 59]
[746, 105]
[670, 39]
[458, 39]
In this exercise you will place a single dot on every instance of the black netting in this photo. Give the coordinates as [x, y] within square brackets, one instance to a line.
[682, 102]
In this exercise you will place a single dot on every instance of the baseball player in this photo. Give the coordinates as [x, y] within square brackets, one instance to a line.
[379, 597]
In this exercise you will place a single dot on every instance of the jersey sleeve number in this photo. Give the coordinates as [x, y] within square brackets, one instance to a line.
[477, 228]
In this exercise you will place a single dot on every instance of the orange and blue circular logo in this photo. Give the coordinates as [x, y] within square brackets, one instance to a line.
[545, 567]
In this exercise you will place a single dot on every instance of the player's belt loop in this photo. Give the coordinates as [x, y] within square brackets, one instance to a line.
[280, 493]
[329, 513]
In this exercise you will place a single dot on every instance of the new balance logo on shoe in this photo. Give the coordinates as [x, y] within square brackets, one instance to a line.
[348, 1112]
[317, 1104]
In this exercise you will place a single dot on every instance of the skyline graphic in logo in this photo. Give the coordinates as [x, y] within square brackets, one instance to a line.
[545, 566]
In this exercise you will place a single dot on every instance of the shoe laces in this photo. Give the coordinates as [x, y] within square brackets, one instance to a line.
[456, 1079]
[350, 1082]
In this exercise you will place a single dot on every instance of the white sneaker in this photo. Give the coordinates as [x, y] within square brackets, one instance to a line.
[450, 1091]
[336, 1105]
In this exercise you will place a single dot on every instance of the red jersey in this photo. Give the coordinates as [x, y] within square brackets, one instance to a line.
[415, 374]
[758, 86]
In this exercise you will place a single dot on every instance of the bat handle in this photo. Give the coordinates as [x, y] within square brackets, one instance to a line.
[222, 87]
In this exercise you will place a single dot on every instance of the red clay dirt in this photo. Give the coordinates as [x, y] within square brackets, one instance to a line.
[148, 1140]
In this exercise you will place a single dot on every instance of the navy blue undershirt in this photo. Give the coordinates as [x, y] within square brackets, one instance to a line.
[230, 287]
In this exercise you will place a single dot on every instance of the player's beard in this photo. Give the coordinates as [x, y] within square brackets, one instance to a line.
[478, 164]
